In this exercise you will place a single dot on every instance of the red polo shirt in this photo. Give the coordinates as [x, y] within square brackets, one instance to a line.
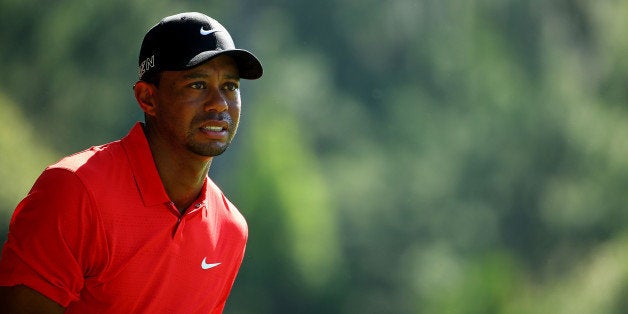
[98, 234]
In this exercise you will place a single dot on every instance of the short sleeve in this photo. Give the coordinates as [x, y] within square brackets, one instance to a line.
[55, 239]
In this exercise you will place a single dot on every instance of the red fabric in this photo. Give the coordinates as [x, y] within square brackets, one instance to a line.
[97, 233]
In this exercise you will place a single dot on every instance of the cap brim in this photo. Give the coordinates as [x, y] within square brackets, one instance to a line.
[249, 66]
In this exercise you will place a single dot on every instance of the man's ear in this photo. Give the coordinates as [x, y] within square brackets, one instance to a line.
[145, 96]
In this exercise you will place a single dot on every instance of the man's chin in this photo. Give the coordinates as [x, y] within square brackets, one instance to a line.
[209, 150]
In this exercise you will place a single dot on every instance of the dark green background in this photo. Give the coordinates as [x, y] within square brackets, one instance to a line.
[398, 156]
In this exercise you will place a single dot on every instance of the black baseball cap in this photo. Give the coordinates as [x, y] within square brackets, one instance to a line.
[183, 41]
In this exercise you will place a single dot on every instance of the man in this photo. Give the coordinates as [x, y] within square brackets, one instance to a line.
[136, 225]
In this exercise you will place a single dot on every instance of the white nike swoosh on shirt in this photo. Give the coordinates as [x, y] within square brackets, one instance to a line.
[204, 264]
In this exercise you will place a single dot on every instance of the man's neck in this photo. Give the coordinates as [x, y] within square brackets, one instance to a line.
[183, 175]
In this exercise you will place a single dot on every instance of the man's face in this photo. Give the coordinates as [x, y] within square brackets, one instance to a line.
[198, 110]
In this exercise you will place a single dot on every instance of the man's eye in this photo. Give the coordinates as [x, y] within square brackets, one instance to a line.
[231, 87]
[198, 85]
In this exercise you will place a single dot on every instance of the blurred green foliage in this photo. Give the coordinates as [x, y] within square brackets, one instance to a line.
[398, 156]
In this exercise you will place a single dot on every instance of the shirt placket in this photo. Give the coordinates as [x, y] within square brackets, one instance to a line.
[192, 211]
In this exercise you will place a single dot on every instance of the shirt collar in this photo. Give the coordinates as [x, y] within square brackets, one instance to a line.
[143, 166]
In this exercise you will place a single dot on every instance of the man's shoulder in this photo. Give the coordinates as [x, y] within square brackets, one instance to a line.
[101, 156]
[101, 171]
[94, 160]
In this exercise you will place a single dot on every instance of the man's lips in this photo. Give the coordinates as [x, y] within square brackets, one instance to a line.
[215, 129]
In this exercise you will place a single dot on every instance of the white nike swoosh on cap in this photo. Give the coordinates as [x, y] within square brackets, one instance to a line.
[204, 32]
[204, 264]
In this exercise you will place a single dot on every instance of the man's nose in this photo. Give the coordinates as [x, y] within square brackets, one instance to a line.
[216, 101]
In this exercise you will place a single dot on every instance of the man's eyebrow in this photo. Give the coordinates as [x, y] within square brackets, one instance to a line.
[232, 76]
[196, 75]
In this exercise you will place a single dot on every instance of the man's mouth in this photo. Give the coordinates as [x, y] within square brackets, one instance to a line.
[213, 128]
[216, 130]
